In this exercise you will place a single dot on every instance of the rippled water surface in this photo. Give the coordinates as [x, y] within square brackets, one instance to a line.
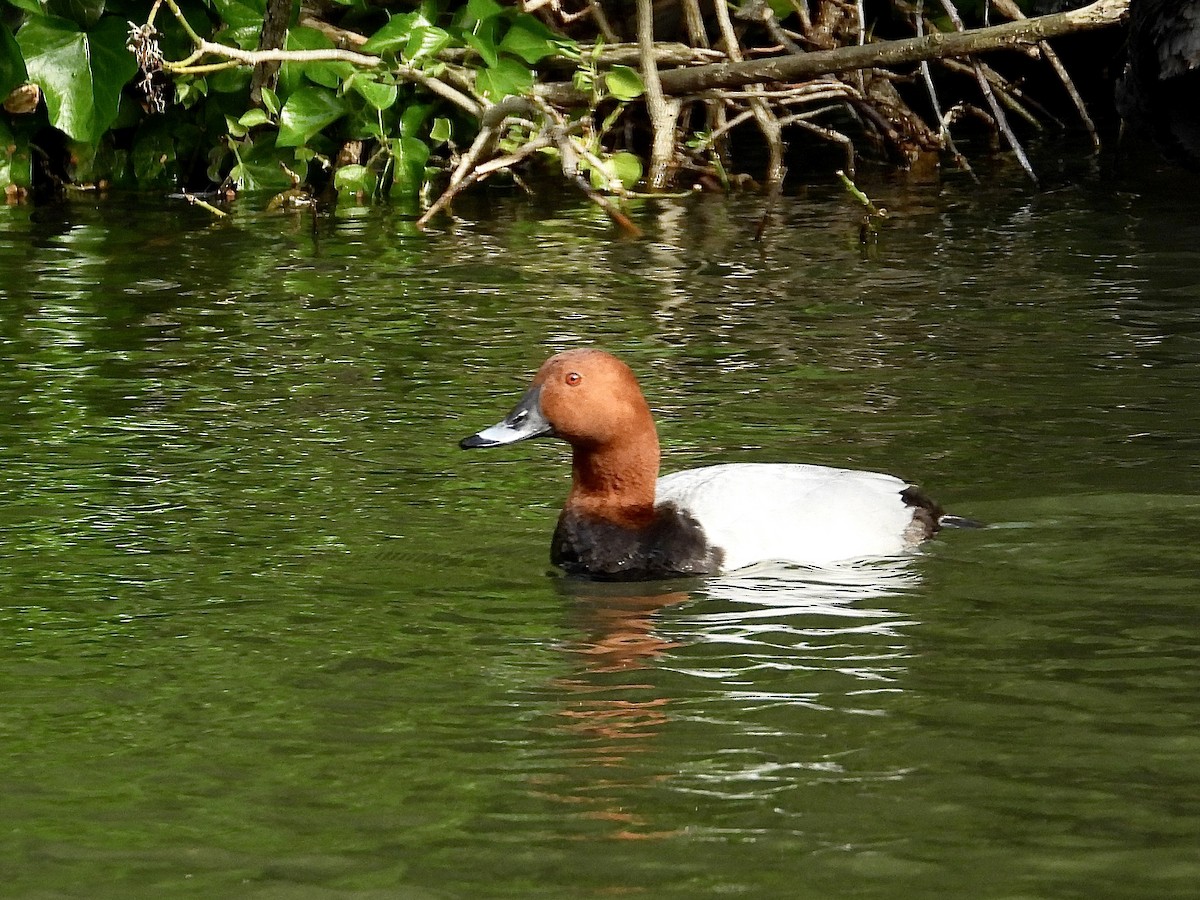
[265, 631]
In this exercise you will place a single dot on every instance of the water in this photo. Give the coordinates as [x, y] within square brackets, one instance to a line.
[265, 632]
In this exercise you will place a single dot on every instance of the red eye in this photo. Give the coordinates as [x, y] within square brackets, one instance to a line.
[573, 379]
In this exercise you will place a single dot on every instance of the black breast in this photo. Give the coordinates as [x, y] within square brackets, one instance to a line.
[672, 546]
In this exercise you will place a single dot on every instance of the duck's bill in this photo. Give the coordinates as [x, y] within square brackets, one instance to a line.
[524, 422]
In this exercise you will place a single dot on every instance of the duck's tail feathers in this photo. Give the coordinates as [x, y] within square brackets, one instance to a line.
[948, 521]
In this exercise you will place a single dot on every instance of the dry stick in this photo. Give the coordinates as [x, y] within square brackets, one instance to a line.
[569, 151]
[482, 171]
[664, 113]
[758, 11]
[861, 15]
[694, 19]
[927, 76]
[768, 123]
[1013, 98]
[1010, 9]
[715, 115]
[203, 204]
[1101, 14]
[602, 22]
[829, 134]
[491, 122]
[801, 9]
[990, 96]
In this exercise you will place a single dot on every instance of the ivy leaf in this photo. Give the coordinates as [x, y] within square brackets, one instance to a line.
[481, 10]
[624, 83]
[327, 74]
[258, 166]
[306, 113]
[529, 39]
[270, 100]
[154, 156]
[354, 179]
[781, 8]
[84, 13]
[414, 117]
[12, 66]
[16, 160]
[427, 40]
[377, 94]
[506, 77]
[241, 13]
[81, 73]
[441, 131]
[625, 167]
[410, 156]
[392, 36]
[254, 117]
[483, 41]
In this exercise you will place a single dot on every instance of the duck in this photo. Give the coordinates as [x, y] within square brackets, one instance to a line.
[622, 522]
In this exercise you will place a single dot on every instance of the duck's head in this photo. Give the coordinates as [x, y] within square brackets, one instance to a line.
[588, 398]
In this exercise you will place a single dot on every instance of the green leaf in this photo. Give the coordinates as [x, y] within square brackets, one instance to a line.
[377, 94]
[781, 8]
[154, 156]
[30, 6]
[624, 83]
[506, 77]
[271, 101]
[229, 81]
[427, 40]
[16, 160]
[625, 167]
[483, 42]
[481, 11]
[89, 162]
[84, 13]
[12, 66]
[354, 179]
[306, 113]
[254, 117]
[410, 156]
[246, 37]
[234, 127]
[188, 91]
[441, 131]
[80, 73]
[529, 39]
[328, 74]
[258, 166]
[414, 117]
[241, 13]
[392, 36]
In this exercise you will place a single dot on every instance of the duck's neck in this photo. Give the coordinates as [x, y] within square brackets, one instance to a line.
[615, 483]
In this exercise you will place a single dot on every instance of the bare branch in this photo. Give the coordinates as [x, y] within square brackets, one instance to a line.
[1101, 14]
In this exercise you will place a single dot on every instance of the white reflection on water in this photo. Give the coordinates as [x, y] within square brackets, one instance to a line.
[774, 590]
[763, 634]
[762, 684]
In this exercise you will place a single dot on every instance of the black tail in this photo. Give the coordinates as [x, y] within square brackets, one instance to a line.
[929, 512]
[948, 521]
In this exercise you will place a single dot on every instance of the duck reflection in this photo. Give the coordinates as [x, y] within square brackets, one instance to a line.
[681, 690]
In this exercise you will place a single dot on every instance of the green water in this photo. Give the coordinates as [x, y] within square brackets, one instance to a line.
[265, 631]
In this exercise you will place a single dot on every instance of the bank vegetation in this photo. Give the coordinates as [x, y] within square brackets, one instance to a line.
[421, 101]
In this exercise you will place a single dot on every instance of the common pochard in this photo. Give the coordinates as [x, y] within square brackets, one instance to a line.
[622, 522]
